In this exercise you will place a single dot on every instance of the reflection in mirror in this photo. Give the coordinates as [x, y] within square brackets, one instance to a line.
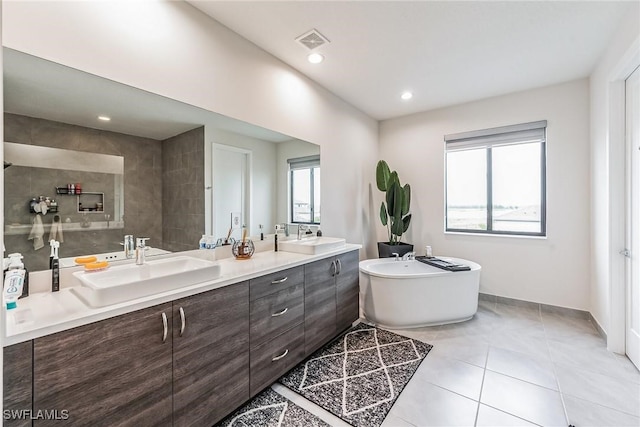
[167, 153]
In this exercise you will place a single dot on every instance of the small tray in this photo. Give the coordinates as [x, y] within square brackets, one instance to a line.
[445, 265]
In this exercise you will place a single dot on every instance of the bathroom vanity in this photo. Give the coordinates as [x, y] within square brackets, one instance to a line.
[191, 356]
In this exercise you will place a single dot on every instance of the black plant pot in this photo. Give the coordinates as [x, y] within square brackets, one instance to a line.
[385, 249]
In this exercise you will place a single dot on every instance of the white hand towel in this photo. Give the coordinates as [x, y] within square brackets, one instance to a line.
[56, 230]
[37, 233]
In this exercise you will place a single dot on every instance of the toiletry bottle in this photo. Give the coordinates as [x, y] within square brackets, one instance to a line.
[78, 188]
[55, 268]
[428, 252]
[15, 263]
[72, 189]
[13, 283]
[210, 242]
[202, 244]
[319, 232]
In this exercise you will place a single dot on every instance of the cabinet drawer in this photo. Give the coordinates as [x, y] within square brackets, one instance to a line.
[275, 313]
[275, 282]
[271, 360]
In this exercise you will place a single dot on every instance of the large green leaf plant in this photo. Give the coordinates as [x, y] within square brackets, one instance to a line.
[394, 211]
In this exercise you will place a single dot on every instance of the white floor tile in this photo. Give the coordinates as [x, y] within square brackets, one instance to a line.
[615, 393]
[491, 417]
[467, 349]
[584, 413]
[453, 375]
[531, 341]
[524, 400]
[393, 421]
[424, 404]
[522, 367]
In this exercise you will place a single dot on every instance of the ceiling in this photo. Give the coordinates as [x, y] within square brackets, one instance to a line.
[39, 88]
[445, 52]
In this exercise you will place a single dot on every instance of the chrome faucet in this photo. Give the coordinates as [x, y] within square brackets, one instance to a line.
[395, 255]
[301, 228]
[409, 256]
[129, 248]
[141, 246]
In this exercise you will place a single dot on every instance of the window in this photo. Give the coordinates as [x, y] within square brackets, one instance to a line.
[495, 180]
[304, 186]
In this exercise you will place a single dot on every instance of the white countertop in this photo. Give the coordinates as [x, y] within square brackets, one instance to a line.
[45, 313]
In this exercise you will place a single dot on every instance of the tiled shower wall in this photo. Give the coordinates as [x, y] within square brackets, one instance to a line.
[183, 190]
[142, 185]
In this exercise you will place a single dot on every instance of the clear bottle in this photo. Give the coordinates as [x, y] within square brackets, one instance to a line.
[203, 242]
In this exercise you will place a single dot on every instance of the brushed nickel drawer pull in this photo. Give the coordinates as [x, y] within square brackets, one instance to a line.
[281, 356]
[280, 313]
[339, 264]
[165, 326]
[183, 321]
[335, 269]
[275, 282]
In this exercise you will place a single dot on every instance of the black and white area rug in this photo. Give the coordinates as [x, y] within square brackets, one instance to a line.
[269, 409]
[359, 375]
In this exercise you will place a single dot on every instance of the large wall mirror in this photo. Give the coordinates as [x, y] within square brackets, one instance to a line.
[158, 168]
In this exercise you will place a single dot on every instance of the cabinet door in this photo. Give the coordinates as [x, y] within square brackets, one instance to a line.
[113, 372]
[211, 357]
[319, 303]
[17, 383]
[347, 290]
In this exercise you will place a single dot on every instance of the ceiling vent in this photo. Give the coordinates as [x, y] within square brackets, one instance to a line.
[312, 39]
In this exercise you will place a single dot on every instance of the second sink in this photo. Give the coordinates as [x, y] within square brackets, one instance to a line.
[312, 245]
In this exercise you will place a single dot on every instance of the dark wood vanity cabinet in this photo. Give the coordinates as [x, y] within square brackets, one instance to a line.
[17, 384]
[347, 290]
[113, 372]
[189, 362]
[331, 299]
[319, 303]
[277, 329]
[210, 355]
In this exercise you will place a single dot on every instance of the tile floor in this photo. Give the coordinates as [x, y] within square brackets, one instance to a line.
[513, 366]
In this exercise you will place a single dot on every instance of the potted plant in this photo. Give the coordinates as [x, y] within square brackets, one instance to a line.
[394, 211]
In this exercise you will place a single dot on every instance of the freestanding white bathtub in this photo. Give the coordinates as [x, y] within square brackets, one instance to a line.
[409, 294]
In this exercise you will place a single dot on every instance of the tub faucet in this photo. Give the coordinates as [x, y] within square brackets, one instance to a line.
[141, 246]
[409, 256]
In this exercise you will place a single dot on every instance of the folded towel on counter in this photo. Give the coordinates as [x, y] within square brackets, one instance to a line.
[37, 233]
[56, 230]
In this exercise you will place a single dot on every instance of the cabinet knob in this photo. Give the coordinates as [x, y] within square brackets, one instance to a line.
[281, 356]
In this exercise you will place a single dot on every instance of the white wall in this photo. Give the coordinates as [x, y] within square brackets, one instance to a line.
[285, 151]
[172, 49]
[607, 169]
[552, 270]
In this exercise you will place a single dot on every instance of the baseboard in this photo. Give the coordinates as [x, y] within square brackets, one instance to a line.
[544, 308]
[595, 322]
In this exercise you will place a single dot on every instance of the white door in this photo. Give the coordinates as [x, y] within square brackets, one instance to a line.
[230, 189]
[632, 89]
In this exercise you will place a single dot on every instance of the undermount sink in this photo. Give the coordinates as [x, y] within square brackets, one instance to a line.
[312, 245]
[131, 281]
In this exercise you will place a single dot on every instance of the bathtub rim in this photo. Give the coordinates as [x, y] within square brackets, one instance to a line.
[364, 264]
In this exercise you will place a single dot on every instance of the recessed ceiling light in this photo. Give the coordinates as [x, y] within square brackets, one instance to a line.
[406, 95]
[315, 58]
[104, 118]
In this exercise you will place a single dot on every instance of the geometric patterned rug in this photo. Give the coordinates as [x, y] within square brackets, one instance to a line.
[271, 410]
[358, 376]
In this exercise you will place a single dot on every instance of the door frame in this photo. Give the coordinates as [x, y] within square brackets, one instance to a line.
[247, 214]
[616, 335]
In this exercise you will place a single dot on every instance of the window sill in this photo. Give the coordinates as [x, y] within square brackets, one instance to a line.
[511, 236]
